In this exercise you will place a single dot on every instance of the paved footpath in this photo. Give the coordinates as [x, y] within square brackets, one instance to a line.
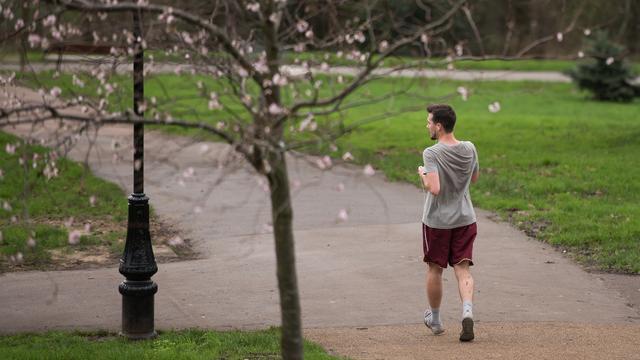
[84, 63]
[361, 281]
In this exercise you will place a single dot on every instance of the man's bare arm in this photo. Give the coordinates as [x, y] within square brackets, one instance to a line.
[430, 181]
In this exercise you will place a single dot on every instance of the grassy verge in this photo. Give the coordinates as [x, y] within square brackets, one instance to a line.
[560, 167]
[48, 209]
[187, 344]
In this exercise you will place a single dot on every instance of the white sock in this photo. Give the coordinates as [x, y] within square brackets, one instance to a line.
[435, 316]
[467, 309]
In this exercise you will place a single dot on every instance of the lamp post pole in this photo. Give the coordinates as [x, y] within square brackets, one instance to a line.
[138, 263]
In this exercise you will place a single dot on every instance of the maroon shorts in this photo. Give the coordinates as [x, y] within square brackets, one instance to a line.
[448, 245]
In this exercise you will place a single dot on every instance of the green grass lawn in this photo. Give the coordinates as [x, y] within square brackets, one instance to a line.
[38, 207]
[331, 58]
[559, 166]
[187, 344]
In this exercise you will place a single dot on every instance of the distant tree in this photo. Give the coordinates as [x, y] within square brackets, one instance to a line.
[605, 74]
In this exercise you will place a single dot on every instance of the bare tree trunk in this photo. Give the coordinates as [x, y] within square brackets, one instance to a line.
[282, 214]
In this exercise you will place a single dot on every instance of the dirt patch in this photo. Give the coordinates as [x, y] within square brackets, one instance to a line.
[542, 340]
[107, 255]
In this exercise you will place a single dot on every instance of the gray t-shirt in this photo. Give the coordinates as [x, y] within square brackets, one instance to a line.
[455, 164]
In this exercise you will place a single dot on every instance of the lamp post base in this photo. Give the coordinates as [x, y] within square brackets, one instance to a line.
[138, 309]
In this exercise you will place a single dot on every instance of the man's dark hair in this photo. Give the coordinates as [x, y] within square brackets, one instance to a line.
[444, 115]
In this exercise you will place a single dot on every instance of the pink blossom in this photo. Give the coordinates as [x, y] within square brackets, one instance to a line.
[327, 161]
[368, 170]
[343, 215]
[49, 20]
[305, 123]
[464, 93]
[18, 258]
[279, 80]
[559, 37]
[275, 109]
[308, 34]
[580, 54]
[267, 169]
[254, 7]
[383, 46]
[55, 92]
[242, 72]
[320, 164]
[587, 32]
[10, 149]
[76, 81]
[176, 241]
[610, 60]
[8, 14]
[19, 24]
[188, 173]
[34, 40]
[302, 26]
[187, 38]
[275, 17]
[459, 50]
[347, 156]
[74, 237]
[424, 38]
[494, 107]
[50, 171]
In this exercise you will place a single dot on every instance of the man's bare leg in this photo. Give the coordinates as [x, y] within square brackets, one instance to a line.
[434, 285]
[434, 295]
[465, 281]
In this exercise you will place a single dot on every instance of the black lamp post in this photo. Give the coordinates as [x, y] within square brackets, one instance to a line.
[138, 263]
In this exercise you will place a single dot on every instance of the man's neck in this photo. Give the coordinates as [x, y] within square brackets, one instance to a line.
[448, 139]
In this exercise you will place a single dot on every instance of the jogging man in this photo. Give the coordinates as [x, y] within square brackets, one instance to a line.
[448, 221]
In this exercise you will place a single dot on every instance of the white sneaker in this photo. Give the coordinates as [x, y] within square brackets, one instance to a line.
[437, 329]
